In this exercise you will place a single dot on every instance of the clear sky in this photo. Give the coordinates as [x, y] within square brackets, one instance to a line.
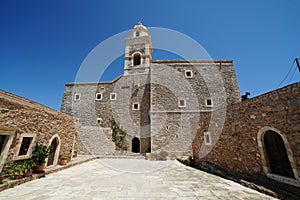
[43, 43]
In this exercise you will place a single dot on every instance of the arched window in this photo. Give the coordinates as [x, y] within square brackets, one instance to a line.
[136, 59]
[137, 34]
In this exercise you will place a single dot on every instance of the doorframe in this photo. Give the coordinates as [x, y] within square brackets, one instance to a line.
[10, 133]
[264, 155]
[56, 154]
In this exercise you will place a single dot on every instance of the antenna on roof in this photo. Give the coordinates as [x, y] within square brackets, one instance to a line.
[297, 62]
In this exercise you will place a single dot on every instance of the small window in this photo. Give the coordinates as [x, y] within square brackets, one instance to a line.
[136, 59]
[3, 141]
[207, 138]
[188, 73]
[137, 34]
[135, 106]
[99, 120]
[99, 96]
[113, 96]
[209, 103]
[25, 146]
[77, 97]
[182, 103]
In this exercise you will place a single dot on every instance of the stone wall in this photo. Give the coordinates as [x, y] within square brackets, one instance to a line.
[45, 124]
[170, 123]
[239, 145]
[97, 113]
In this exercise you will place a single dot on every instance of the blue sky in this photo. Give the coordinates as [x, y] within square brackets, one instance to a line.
[43, 43]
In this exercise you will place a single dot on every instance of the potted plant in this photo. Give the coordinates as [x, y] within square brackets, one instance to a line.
[163, 155]
[153, 156]
[63, 160]
[18, 170]
[40, 153]
[28, 165]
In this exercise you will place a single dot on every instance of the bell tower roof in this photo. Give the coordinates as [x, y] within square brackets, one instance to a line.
[139, 30]
[140, 25]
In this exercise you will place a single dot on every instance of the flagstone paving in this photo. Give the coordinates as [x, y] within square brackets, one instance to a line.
[130, 179]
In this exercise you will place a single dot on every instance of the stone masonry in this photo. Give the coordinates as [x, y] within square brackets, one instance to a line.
[153, 101]
[240, 146]
[20, 117]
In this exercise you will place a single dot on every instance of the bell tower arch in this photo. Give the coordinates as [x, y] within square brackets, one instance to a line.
[138, 50]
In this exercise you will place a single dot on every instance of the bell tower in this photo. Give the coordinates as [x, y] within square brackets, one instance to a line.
[138, 51]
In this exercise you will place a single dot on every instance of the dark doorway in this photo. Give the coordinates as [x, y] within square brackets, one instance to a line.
[137, 59]
[52, 152]
[135, 145]
[277, 155]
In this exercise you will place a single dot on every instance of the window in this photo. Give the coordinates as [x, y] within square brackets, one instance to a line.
[135, 106]
[6, 139]
[99, 96]
[77, 97]
[99, 120]
[207, 138]
[136, 59]
[188, 73]
[113, 96]
[3, 140]
[209, 103]
[24, 146]
[137, 34]
[182, 103]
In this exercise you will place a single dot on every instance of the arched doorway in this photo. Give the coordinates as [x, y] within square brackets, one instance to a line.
[137, 59]
[54, 153]
[51, 157]
[277, 155]
[135, 146]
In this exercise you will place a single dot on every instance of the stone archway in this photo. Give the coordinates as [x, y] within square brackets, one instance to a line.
[54, 153]
[276, 154]
[135, 145]
[137, 59]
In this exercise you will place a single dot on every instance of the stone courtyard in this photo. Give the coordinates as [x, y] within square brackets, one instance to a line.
[130, 179]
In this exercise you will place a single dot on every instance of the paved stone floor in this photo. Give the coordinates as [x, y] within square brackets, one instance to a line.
[130, 179]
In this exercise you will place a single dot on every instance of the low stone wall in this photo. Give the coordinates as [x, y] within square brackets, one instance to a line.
[238, 147]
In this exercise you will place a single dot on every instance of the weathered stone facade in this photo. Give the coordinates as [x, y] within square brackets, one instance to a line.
[241, 145]
[21, 118]
[154, 100]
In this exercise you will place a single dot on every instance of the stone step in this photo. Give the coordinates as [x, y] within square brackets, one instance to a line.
[121, 156]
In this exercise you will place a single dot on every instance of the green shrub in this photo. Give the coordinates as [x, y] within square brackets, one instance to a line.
[163, 153]
[40, 153]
